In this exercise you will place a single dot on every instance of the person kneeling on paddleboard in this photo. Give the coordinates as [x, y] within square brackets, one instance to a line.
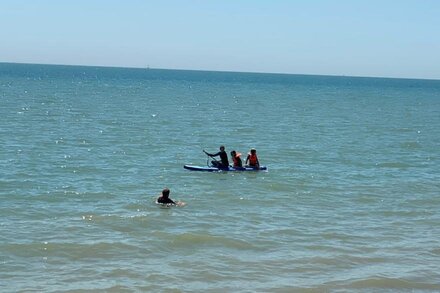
[252, 159]
[236, 159]
[224, 163]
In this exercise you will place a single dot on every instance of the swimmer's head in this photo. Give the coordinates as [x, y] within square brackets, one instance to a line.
[165, 192]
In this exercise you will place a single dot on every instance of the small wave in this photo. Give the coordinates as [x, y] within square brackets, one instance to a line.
[411, 145]
[392, 283]
[72, 251]
[396, 165]
[191, 239]
[95, 288]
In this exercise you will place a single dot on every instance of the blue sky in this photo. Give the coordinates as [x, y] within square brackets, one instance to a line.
[359, 37]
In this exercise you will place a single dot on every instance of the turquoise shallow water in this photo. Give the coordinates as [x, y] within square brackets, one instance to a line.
[351, 201]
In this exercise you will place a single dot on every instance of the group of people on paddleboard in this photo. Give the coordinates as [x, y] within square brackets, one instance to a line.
[251, 159]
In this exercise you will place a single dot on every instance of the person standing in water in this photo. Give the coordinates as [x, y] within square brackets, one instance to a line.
[166, 200]
[224, 163]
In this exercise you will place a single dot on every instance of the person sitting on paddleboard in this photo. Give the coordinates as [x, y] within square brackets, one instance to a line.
[252, 159]
[224, 163]
[164, 199]
[236, 159]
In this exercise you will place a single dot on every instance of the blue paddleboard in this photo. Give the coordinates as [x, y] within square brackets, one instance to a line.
[229, 169]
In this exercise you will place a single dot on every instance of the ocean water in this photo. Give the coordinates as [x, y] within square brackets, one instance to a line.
[350, 203]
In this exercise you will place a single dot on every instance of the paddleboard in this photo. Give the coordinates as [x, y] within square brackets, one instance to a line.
[229, 169]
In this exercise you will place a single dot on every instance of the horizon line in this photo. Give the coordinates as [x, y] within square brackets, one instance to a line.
[220, 71]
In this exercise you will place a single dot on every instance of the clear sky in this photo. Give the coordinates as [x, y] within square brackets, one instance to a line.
[388, 38]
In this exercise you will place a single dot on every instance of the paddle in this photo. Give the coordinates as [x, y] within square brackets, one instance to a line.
[207, 159]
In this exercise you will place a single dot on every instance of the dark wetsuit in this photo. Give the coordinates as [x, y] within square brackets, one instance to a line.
[224, 159]
[164, 200]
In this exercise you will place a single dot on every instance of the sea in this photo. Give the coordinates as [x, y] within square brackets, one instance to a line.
[350, 201]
